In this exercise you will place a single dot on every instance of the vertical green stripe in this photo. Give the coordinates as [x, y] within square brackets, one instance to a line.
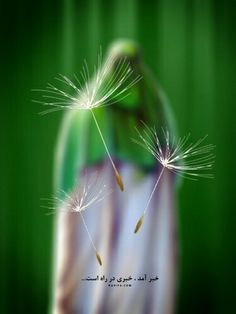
[125, 19]
[68, 36]
[94, 34]
[172, 53]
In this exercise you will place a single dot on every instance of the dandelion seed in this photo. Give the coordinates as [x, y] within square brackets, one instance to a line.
[139, 224]
[89, 192]
[99, 259]
[189, 160]
[109, 84]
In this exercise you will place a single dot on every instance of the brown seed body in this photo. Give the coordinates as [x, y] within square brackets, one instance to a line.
[119, 181]
[139, 224]
[99, 259]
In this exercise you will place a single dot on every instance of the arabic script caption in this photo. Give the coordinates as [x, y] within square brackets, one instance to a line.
[121, 281]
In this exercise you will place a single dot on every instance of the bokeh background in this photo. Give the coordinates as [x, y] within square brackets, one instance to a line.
[190, 46]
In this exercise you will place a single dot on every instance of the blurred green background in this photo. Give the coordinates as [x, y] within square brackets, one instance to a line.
[190, 46]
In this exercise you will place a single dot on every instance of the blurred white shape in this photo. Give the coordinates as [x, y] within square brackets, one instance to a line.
[151, 252]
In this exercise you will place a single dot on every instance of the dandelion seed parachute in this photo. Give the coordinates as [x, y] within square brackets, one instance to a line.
[109, 83]
[189, 160]
[89, 192]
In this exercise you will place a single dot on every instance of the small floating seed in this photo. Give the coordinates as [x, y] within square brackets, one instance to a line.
[139, 224]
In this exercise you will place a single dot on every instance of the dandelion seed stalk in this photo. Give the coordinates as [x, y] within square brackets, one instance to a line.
[117, 175]
[91, 240]
[140, 221]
